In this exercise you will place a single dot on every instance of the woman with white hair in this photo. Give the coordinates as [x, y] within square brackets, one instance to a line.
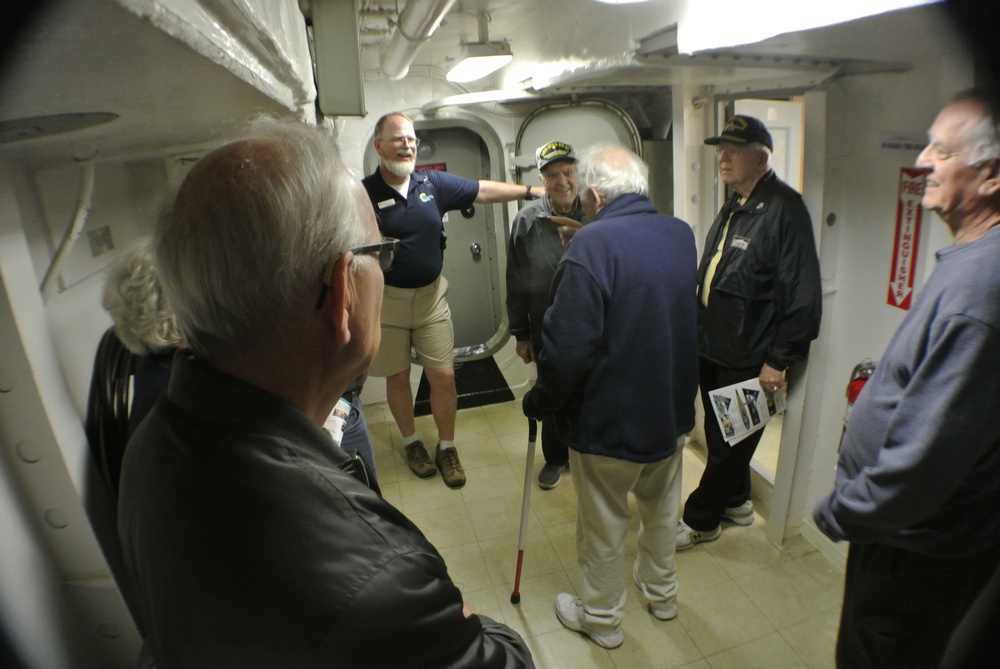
[145, 324]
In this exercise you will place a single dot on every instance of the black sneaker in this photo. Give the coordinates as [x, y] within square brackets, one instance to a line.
[418, 460]
[451, 469]
[550, 476]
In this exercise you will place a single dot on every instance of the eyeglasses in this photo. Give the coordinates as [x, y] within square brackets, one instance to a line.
[384, 250]
[402, 139]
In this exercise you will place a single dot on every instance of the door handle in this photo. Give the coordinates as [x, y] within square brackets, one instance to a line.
[475, 248]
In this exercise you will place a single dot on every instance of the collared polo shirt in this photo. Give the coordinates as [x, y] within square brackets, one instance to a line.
[416, 221]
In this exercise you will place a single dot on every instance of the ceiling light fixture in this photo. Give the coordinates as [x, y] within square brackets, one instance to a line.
[480, 58]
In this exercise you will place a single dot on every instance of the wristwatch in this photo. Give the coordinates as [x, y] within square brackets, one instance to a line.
[527, 193]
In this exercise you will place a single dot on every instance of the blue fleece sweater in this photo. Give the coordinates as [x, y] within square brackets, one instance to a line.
[620, 341]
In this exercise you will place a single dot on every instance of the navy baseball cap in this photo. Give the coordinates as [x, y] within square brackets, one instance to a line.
[743, 130]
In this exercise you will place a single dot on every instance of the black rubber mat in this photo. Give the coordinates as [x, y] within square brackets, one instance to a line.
[479, 382]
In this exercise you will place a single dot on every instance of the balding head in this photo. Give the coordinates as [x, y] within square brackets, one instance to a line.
[251, 229]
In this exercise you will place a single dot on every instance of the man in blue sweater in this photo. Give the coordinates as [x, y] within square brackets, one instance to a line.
[918, 482]
[620, 351]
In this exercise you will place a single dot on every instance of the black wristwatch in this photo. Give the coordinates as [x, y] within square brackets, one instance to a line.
[527, 193]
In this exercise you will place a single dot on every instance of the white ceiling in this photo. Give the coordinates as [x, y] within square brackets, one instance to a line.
[94, 56]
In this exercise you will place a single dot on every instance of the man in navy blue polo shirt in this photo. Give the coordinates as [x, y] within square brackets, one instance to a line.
[415, 311]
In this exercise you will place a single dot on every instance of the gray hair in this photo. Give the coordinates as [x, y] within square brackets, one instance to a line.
[761, 148]
[133, 297]
[984, 138]
[612, 170]
[251, 230]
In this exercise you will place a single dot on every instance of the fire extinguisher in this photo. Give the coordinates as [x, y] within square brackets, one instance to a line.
[862, 372]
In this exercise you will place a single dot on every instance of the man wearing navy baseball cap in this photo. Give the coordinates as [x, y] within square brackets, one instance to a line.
[743, 130]
[759, 307]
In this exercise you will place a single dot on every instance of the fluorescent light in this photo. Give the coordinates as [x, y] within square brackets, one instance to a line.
[620, 2]
[701, 26]
[480, 59]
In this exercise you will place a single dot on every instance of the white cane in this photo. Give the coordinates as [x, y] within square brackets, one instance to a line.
[529, 465]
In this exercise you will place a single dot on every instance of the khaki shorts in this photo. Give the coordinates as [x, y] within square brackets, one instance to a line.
[415, 322]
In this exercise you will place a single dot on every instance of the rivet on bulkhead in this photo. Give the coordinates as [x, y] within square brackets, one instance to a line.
[56, 519]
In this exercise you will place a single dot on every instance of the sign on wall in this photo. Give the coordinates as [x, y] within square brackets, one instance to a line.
[904, 250]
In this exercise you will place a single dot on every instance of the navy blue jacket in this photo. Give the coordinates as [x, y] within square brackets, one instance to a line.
[620, 341]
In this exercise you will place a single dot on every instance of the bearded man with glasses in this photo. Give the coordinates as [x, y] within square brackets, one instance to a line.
[415, 312]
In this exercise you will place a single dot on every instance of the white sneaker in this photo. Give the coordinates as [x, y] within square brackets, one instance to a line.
[569, 611]
[661, 610]
[689, 538]
[740, 515]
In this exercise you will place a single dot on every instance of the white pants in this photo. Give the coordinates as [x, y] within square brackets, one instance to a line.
[602, 487]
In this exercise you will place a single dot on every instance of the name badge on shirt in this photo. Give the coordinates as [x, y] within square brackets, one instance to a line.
[386, 203]
[740, 242]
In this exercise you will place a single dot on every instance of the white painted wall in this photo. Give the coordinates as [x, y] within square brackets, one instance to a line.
[56, 585]
[59, 603]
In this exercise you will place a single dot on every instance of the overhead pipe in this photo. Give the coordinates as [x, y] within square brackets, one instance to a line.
[417, 23]
[83, 202]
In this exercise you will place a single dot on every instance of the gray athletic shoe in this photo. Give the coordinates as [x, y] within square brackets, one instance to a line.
[550, 476]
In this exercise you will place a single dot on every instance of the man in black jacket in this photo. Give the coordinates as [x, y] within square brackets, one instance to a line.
[759, 305]
[250, 538]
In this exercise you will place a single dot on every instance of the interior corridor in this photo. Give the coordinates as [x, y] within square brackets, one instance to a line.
[743, 602]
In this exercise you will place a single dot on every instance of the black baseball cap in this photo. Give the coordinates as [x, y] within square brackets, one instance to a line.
[743, 130]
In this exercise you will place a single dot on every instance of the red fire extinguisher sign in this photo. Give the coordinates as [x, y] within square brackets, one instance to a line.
[904, 250]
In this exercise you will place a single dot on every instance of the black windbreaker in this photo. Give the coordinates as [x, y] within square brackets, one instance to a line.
[765, 300]
[533, 252]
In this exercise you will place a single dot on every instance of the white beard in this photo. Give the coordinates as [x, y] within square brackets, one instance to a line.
[401, 168]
